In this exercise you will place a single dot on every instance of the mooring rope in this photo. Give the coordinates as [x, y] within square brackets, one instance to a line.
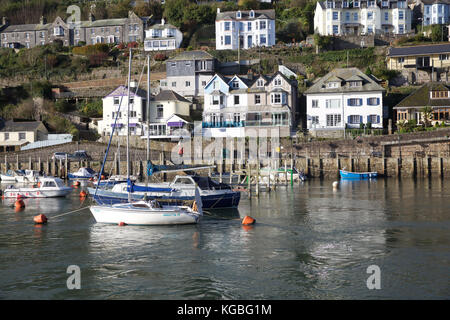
[76, 210]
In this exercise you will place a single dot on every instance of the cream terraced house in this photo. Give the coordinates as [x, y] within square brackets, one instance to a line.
[344, 98]
[234, 106]
[362, 17]
[15, 133]
[423, 57]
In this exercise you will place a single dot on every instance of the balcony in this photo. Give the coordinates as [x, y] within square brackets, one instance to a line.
[248, 123]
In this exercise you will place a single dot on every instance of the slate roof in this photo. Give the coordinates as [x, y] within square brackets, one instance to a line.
[419, 50]
[169, 95]
[16, 125]
[421, 97]
[192, 55]
[347, 74]
[123, 91]
[245, 15]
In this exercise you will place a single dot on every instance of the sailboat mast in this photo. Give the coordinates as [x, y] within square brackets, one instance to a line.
[148, 117]
[128, 125]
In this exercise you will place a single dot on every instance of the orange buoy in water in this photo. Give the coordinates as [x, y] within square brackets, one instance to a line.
[248, 221]
[83, 194]
[38, 184]
[40, 219]
[102, 177]
[121, 224]
[19, 204]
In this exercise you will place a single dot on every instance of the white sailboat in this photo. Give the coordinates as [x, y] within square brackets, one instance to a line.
[145, 212]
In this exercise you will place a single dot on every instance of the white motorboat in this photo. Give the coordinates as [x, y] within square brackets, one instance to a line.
[48, 187]
[82, 174]
[13, 176]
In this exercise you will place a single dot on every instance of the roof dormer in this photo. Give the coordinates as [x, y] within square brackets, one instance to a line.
[238, 15]
[252, 13]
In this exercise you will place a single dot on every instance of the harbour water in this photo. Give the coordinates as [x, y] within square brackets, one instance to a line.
[309, 242]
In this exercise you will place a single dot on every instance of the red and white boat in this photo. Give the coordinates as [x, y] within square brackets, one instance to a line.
[48, 187]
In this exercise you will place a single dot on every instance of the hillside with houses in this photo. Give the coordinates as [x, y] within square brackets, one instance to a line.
[259, 67]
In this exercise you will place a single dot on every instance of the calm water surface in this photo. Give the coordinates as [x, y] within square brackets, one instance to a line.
[310, 242]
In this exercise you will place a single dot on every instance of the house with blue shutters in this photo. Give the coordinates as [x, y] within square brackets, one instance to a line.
[344, 98]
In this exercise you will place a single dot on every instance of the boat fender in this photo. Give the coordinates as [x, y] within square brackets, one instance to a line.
[40, 219]
[76, 183]
[83, 194]
[38, 184]
[194, 206]
[19, 204]
[248, 221]
[335, 184]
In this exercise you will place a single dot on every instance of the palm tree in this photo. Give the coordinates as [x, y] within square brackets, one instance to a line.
[401, 126]
[427, 113]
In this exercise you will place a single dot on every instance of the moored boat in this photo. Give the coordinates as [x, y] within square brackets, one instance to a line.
[358, 175]
[13, 176]
[214, 195]
[82, 174]
[48, 187]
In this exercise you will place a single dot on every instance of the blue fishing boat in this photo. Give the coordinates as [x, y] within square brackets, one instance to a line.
[358, 175]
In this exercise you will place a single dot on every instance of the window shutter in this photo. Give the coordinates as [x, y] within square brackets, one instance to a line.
[378, 119]
[368, 119]
[349, 119]
[360, 119]
[360, 102]
[378, 101]
[348, 102]
[368, 101]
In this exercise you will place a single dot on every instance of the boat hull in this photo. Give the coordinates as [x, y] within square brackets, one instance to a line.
[358, 175]
[116, 215]
[36, 193]
[213, 201]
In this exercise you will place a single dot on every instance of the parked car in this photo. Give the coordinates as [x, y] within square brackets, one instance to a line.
[79, 155]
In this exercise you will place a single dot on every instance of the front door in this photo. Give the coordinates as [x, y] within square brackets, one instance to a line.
[249, 41]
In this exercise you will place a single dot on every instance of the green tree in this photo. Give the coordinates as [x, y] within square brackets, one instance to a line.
[174, 11]
[121, 8]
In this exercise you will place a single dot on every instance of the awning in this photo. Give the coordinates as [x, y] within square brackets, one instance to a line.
[132, 125]
[175, 124]
[117, 125]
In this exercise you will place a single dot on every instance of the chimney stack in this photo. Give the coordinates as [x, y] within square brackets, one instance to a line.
[218, 10]
[42, 21]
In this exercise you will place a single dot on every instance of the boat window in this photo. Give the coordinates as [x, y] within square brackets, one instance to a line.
[183, 181]
[49, 184]
[140, 205]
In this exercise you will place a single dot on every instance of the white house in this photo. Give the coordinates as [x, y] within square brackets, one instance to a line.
[342, 17]
[245, 29]
[234, 106]
[162, 36]
[115, 106]
[344, 98]
[169, 111]
[435, 12]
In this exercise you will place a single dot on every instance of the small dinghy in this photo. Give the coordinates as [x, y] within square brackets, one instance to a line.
[358, 175]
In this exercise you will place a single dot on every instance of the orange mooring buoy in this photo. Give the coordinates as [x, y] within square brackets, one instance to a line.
[247, 221]
[83, 194]
[19, 204]
[121, 224]
[40, 219]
